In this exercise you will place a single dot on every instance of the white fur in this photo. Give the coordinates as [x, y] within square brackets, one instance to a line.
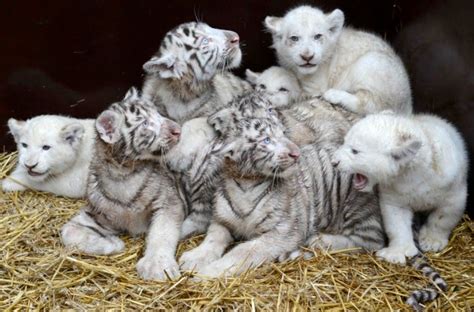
[420, 164]
[278, 84]
[352, 68]
[65, 164]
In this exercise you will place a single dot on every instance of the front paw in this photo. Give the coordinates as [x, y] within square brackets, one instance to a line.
[11, 186]
[397, 254]
[196, 259]
[432, 241]
[342, 98]
[158, 267]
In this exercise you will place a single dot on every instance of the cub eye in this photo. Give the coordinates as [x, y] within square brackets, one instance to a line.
[24, 145]
[145, 123]
[262, 86]
[294, 38]
[283, 89]
[270, 109]
[205, 41]
[46, 147]
[317, 36]
[266, 140]
[354, 151]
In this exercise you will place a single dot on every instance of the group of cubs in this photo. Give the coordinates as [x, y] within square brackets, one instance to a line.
[322, 152]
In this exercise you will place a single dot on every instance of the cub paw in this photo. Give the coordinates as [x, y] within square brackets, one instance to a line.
[158, 268]
[11, 186]
[430, 241]
[196, 259]
[342, 98]
[397, 254]
[74, 236]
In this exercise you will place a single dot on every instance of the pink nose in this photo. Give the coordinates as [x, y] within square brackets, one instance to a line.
[235, 39]
[294, 154]
[307, 57]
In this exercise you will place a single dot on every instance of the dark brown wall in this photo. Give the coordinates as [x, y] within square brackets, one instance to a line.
[76, 57]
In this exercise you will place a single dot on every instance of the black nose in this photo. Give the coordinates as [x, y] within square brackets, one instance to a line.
[306, 57]
[31, 167]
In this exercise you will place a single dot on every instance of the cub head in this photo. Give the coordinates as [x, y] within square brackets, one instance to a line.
[305, 37]
[134, 130]
[376, 150]
[255, 145]
[278, 84]
[195, 52]
[47, 145]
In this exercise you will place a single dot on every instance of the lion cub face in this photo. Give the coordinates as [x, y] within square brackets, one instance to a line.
[47, 145]
[376, 149]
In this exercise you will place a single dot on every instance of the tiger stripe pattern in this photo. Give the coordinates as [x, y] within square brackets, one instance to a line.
[276, 197]
[188, 76]
[129, 191]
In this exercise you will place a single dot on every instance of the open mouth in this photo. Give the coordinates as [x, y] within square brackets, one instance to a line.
[360, 181]
[36, 174]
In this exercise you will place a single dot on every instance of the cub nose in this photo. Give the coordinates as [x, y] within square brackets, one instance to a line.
[174, 129]
[307, 57]
[294, 154]
[31, 166]
[232, 37]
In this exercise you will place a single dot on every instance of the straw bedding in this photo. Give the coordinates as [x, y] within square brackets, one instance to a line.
[36, 272]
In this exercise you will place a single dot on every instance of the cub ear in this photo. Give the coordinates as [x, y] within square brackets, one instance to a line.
[166, 66]
[407, 150]
[228, 150]
[335, 20]
[16, 128]
[131, 94]
[72, 133]
[251, 76]
[273, 24]
[220, 121]
[108, 126]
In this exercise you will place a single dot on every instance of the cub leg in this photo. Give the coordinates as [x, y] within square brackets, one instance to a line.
[434, 234]
[85, 234]
[250, 254]
[216, 241]
[196, 223]
[398, 225]
[158, 262]
[9, 184]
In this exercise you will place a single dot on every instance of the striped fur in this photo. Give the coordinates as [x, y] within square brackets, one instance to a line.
[420, 263]
[274, 203]
[188, 77]
[128, 191]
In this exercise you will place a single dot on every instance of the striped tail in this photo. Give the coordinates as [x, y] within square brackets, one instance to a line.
[420, 263]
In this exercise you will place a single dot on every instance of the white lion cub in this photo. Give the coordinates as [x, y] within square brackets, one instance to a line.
[348, 67]
[420, 164]
[54, 153]
[279, 85]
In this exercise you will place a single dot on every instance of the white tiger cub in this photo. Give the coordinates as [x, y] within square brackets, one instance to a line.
[275, 196]
[420, 164]
[54, 153]
[278, 84]
[352, 68]
[188, 76]
[129, 191]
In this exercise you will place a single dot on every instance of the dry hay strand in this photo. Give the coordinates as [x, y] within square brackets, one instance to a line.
[36, 272]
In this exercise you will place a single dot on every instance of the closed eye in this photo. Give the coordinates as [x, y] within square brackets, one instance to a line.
[317, 36]
[46, 147]
[24, 145]
[262, 86]
[354, 151]
[283, 89]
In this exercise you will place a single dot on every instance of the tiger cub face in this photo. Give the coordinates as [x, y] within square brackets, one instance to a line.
[254, 139]
[195, 52]
[135, 130]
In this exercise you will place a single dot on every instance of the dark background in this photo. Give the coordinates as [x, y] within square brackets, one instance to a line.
[76, 57]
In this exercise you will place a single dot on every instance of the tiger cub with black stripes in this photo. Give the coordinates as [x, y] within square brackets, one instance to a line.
[188, 77]
[129, 191]
[275, 197]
